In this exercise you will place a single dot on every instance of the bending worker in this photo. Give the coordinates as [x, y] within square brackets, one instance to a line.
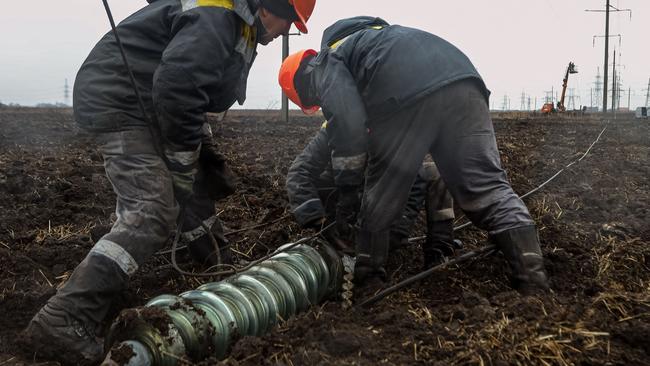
[416, 94]
[189, 57]
[314, 200]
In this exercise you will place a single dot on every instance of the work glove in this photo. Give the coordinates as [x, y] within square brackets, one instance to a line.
[347, 207]
[219, 179]
[332, 235]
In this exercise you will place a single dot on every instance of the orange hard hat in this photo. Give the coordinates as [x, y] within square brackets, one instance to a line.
[303, 9]
[288, 71]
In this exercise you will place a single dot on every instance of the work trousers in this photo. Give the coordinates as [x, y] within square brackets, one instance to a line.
[452, 124]
[147, 213]
[439, 203]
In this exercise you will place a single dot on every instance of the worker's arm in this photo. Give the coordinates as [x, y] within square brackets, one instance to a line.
[304, 172]
[346, 115]
[202, 42]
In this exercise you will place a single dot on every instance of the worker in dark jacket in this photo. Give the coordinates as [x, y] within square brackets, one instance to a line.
[314, 200]
[188, 57]
[416, 94]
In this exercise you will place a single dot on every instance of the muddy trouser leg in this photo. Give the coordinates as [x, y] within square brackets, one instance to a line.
[439, 242]
[146, 214]
[395, 153]
[401, 228]
[466, 154]
[200, 211]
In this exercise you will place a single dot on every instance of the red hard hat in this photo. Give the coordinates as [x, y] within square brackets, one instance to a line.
[303, 9]
[288, 71]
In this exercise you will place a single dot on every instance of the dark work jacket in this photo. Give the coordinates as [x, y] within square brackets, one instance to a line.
[370, 74]
[311, 172]
[187, 60]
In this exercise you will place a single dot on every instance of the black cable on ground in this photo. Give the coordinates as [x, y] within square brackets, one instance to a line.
[486, 250]
[235, 270]
[256, 226]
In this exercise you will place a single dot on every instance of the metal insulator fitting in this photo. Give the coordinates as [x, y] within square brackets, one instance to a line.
[205, 321]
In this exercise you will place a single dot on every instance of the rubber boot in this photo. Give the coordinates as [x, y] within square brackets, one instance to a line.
[439, 244]
[202, 250]
[372, 253]
[521, 249]
[54, 333]
[66, 325]
[397, 241]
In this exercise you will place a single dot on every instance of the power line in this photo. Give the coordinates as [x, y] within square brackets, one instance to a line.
[607, 11]
[66, 93]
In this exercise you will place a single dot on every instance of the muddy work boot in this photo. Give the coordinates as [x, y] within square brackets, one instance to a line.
[53, 334]
[369, 272]
[521, 249]
[440, 244]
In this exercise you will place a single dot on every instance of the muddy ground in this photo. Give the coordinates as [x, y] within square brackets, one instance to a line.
[593, 223]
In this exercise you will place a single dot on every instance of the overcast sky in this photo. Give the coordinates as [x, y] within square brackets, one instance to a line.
[517, 45]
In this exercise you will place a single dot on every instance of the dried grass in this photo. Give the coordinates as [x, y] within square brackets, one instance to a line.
[625, 306]
[503, 339]
[61, 232]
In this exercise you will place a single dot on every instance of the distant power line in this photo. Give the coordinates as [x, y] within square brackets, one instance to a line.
[66, 93]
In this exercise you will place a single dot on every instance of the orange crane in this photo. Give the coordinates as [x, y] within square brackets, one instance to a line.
[548, 107]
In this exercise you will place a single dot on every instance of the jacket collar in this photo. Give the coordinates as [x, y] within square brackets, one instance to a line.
[245, 10]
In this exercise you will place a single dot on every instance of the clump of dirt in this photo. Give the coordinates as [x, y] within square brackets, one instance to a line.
[592, 223]
[122, 354]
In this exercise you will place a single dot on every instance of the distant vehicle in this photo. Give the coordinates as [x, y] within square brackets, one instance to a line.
[641, 112]
[548, 107]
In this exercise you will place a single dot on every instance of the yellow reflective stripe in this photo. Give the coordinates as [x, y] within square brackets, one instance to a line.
[340, 41]
[324, 125]
[228, 4]
[191, 4]
[336, 44]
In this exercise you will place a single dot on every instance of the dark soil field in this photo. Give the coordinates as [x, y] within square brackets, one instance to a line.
[594, 224]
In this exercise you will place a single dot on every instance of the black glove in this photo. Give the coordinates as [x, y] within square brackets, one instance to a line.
[332, 235]
[219, 179]
[347, 208]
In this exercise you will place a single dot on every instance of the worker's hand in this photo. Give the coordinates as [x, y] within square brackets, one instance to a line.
[332, 235]
[347, 208]
[316, 224]
[219, 179]
[343, 243]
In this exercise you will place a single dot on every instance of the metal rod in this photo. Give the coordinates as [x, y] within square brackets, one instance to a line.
[488, 249]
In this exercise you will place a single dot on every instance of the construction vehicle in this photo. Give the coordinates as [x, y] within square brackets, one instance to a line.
[549, 107]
